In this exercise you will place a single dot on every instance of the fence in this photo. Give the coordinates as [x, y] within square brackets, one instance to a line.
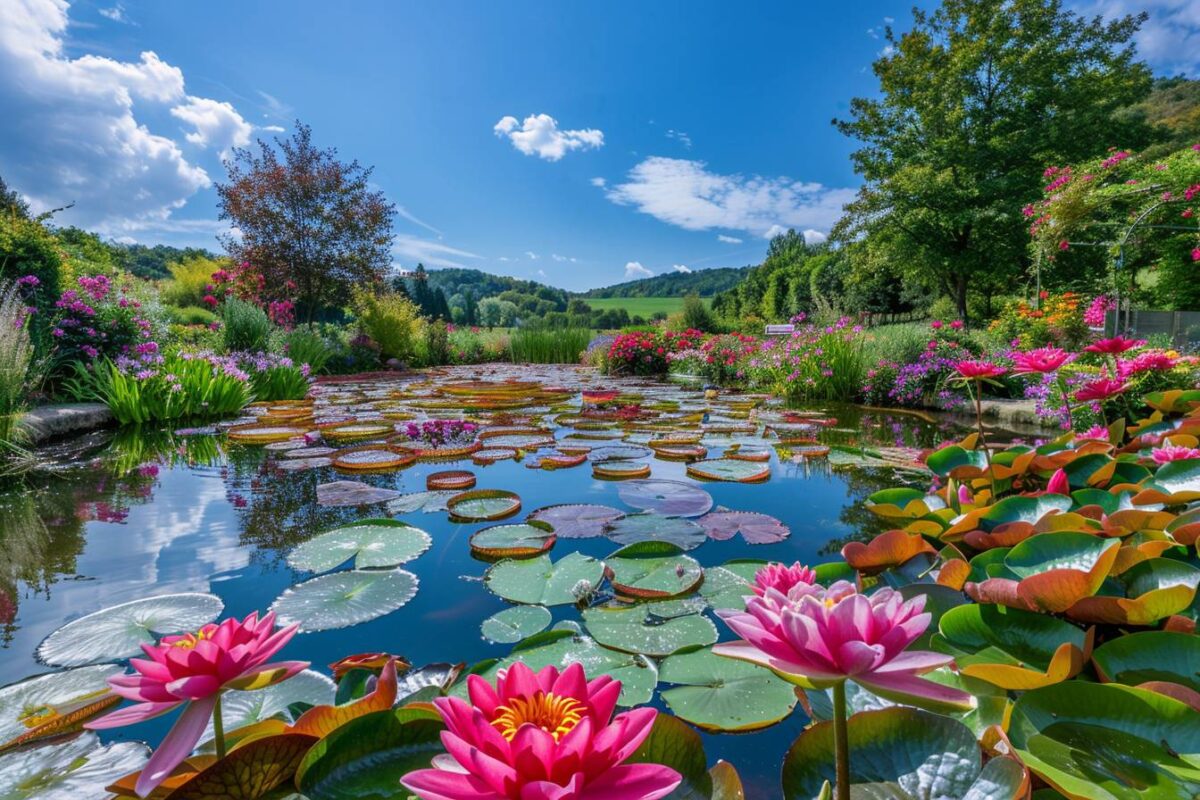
[1182, 326]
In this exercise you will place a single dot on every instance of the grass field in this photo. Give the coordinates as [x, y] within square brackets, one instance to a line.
[640, 306]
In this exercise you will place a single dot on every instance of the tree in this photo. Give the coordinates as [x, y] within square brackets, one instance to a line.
[975, 101]
[306, 220]
[11, 202]
[470, 309]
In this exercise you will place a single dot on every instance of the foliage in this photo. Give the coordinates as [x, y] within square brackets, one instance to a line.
[960, 134]
[274, 378]
[392, 321]
[186, 386]
[244, 326]
[191, 315]
[306, 219]
[1056, 320]
[28, 248]
[702, 282]
[307, 346]
[815, 362]
[696, 315]
[497, 313]
[191, 281]
[472, 345]
[546, 345]
[97, 320]
[1173, 108]
[645, 352]
[435, 343]
[16, 355]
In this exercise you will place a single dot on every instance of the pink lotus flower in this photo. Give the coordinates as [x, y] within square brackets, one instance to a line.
[541, 736]
[1041, 359]
[973, 370]
[818, 638]
[1101, 389]
[193, 669]
[1059, 483]
[1113, 346]
[782, 578]
[1096, 432]
[1173, 452]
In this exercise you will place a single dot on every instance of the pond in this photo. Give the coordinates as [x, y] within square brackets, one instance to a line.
[145, 513]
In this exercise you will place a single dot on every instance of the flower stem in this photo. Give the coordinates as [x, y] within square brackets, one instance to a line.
[841, 742]
[987, 453]
[219, 729]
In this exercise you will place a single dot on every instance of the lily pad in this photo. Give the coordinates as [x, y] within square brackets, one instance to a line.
[1150, 656]
[240, 708]
[514, 624]
[577, 521]
[755, 528]
[426, 502]
[342, 599]
[353, 493]
[371, 543]
[366, 757]
[538, 581]
[669, 498]
[483, 505]
[24, 704]
[619, 469]
[523, 540]
[729, 469]
[724, 694]
[119, 631]
[78, 768]
[649, 527]
[640, 630]
[653, 570]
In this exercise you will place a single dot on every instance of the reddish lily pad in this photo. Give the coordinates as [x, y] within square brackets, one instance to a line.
[577, 521]
[755, 528]
[669, 498]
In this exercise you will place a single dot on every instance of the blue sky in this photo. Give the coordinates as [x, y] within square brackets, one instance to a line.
[577, 144]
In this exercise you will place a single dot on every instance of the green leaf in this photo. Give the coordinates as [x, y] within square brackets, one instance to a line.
[653, 570]
[342, 599]
[371, 543]
[1010, 647]
[514, 624]
[1151, 656]
[538, 581]
[639, 630]
[241, 708]
[724, 694]
[729, 469]
[682, 533]
[673, 744]
[523, 540]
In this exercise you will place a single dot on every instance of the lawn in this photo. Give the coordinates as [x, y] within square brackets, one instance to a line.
[641, 306]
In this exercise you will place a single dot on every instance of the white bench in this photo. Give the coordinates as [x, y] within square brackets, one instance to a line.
[779, 330]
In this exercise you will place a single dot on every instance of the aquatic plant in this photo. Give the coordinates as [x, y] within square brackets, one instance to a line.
[16, 355]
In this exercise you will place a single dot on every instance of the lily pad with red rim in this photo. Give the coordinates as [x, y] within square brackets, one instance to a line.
[523, 540]
[483, 505]
[666, 497]
[653, 570]
[729, 469]
[755, 528]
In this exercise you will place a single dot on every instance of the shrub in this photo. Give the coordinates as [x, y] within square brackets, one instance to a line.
[644, 352]
[392, 321]
[245, 326]
[435, 344]
[274, 378]
[29, 249]
[180, 387]
[191, 282]
[16, 354]
[697, 315]
[548, 345]
[189, 315]
[1058, 321]
[98, 320]
[814, 363]
[305, 346]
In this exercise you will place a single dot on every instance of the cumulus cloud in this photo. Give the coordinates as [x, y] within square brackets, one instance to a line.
[77, 129]
[728, 239]
[116, 13]
[681, 268]
[532, 256]
[635, 270]
[539, 135]
[413, 249]
[1169, 40]
[686, 193]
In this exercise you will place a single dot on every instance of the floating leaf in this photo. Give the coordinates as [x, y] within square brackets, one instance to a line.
[1146, 656]
[371, 543]
[239, 709]
[352, 493]
[724, 694]
[620, 470]
[78, 768]
[653, 570]
[755, 528]
[577, 521]
[514, 624]
[673, 744]
[729, 469]
[249, 771]
[367, 757]
[427, 502]
[640, 630]
[649, 527]
[538, 581]
[523, 540]
[120, 631]
[1155, 589]
[342, 599]
[669, 498]
[54, 703]
[483, 505]
[1014, 649]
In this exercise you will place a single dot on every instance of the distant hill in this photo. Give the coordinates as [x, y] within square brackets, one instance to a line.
[455, 280]
[704, 282]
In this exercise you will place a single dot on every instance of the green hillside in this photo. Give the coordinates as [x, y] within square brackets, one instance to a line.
[641, 306]
[704, 282]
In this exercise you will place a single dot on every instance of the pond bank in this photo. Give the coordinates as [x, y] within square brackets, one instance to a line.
[45, 423]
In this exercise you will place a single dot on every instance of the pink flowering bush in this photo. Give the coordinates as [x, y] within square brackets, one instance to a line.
[645, 352]
[97, 320]
[816, 362]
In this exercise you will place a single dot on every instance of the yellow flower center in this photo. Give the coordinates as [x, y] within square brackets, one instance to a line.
[553, 714]
[189, 640]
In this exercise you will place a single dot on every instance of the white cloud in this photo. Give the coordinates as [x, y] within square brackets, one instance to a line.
[539, 135]
[84, 134]
[635, 270]
[408, 215]
[681, 268]
[115, 13]
[815, 237]
[412, 249]
[274, 106]
[217, 125]
[773, 231]
[599, 182]
[728, 239]
[680, 137]
[541, 273]
[562, 259]
[532, 256]
[685, 193]
[1169, 40]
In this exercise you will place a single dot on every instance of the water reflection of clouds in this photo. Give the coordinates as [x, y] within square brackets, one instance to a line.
[176, 543]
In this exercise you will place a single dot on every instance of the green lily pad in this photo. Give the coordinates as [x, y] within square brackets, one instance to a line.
[729, 469]
[483, 505]
[1039, 554]
[371, 543]
[522, 540]
[653, 570]
[241, 708]
[367, 756]
[426, 502]
[649, 527]
[342, 599]
[900, 753]
[673, 744]
[561, 648]
[948, 459]
[1150, 656]
[724, 694]
[1023, 509]
[514, 624]
[1011, 648]
[728, 585]
[1109, 742]
[640, 630]
[119, 631]
[77, 768]
[538, 581]
[1178, 477]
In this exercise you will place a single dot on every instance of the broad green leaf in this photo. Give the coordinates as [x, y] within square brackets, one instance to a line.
[1011, 648]
[371, 543]
[724, 694]
[342, 599]
[248, 772]
[44, 697]
[653, 570]
[1150, 656]
[74, 769]
[365, 758]
[514, 624]
[538, 581]
[522, 540]
[239, 708]
[683, 533]
[639, 630]
[673, 744]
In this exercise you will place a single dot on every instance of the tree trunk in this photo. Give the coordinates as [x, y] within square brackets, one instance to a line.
[960, 295]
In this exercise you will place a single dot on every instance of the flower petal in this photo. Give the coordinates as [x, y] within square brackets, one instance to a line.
[131, 715]
[904, 687]
[176, 745]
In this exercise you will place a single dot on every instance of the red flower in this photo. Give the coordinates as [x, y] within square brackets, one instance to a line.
[1101, 389]
[1116, 344]
[973, 370]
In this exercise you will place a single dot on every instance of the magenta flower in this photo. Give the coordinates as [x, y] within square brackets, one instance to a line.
[974, 370]
[1114, 346]
[782, 578]
[541, 736]
[192, 670]
[1039, 360]
[1173, 452]
[1059, 483]
[819, 638]
[1096, 433]
[1101, 389]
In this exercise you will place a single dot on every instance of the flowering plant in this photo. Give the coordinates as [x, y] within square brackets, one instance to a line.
[98, 319]
[442, 432]
[814, 362]
[1055, 321]
[645, 352]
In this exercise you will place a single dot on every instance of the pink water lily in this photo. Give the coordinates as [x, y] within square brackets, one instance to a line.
[819, 638]
[192, 670]
[1173, 452]
[1039, 360]
[547, 735]
[782, 578]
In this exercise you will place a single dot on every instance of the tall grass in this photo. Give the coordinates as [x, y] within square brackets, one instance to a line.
[16, 354]
[245, 326]
[179, 388]
[548, 345]
[305, 346]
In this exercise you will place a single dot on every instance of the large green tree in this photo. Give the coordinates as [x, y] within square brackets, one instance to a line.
[974, 102]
